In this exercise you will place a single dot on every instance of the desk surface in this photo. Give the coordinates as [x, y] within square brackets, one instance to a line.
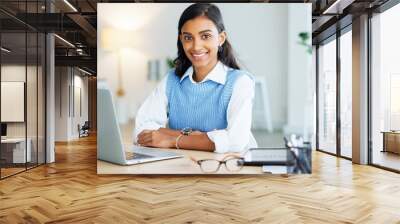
[181, 165]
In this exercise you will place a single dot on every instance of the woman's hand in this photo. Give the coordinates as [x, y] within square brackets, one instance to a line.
[156, 139]
[176, 133]
[197, 133]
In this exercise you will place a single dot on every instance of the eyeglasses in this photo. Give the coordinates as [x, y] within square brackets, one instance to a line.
[232, 163]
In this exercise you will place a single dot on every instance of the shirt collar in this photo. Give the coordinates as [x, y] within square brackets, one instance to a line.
[217, 74]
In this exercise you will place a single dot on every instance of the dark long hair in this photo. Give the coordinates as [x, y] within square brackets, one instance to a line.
[225, 53]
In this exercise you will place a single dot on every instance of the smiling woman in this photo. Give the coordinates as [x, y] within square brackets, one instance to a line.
[205, 102]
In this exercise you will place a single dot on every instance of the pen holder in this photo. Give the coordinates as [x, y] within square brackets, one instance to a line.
[303, 158]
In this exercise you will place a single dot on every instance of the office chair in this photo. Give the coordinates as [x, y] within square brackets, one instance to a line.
[84, 130]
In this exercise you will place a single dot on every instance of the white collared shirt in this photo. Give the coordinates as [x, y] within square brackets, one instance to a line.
[237, 137]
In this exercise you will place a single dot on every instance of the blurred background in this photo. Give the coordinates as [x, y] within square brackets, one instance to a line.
[136, 42]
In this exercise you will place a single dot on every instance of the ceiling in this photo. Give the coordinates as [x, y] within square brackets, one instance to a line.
[77, 22]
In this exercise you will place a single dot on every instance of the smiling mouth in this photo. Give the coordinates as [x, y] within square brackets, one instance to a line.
[199, 56]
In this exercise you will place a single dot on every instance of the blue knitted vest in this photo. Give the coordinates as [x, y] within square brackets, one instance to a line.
[201, 106]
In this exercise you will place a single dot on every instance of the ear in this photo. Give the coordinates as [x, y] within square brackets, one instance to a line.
[221, 38]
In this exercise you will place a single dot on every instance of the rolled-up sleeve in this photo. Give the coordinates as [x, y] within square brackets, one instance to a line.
[152, 114]
[236, 137]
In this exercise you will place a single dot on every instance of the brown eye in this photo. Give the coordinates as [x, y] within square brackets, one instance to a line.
[187, 38]
[205, 36]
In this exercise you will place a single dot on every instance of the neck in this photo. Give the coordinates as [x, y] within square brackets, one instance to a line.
[201, 72]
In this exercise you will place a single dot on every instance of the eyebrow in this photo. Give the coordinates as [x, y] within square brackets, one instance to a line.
[203, 31]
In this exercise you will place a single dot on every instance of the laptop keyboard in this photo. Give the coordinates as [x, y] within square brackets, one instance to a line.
[131, 155]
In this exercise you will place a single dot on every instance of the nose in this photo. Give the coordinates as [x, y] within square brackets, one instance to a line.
[197, 45]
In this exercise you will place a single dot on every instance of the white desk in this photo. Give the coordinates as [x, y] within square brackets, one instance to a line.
[182, 165]
[18, 150]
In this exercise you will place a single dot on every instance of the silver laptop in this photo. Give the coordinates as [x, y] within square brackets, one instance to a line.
[109, 141]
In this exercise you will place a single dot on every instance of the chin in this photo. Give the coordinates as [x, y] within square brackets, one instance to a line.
[198, 64]
[201, 63]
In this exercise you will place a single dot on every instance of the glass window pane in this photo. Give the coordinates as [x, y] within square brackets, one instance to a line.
[31, 97]
[41, 98]
[346, 94]
[386, 89]
[327, 97]
[23, 90]
[13, 87]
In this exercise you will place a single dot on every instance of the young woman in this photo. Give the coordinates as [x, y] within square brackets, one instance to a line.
[205, 103]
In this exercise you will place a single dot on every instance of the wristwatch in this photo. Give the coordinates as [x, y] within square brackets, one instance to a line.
[186, 131]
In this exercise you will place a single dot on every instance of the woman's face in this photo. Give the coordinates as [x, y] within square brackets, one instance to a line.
[200, 40]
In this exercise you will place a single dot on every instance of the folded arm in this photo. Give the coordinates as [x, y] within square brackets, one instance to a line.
[168, 138]
[152, 114]
[237, 135]
[232, 139]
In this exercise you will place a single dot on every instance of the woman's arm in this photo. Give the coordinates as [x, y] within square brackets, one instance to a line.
[152, 118]
[176, 133]
[237, 135]
[152, 114]
[232, 139]
[171, 132]
[167, 138]
[196, 142]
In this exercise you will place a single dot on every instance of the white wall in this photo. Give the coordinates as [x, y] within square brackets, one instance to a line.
[33, 127]
[300, 79]
[17, 73]
[14, 73]
[260, 39]
[68, 82]
[79, 117]
[62, 80]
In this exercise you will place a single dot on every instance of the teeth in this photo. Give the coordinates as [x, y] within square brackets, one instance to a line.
[198, 55]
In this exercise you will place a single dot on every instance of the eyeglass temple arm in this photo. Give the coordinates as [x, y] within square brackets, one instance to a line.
[233, 155]
[194, 160]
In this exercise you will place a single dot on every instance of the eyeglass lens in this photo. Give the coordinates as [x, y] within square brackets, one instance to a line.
[234, 164]
[209, 166]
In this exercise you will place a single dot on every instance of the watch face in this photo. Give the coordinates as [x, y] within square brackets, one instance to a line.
[186, 131]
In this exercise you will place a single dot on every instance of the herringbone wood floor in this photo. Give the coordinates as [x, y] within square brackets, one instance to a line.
[70, 191]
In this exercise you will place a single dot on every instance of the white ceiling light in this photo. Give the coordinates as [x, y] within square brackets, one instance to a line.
[70, 5]
[5, 50]
[65, 41]
[84, 71]
[338, 6]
